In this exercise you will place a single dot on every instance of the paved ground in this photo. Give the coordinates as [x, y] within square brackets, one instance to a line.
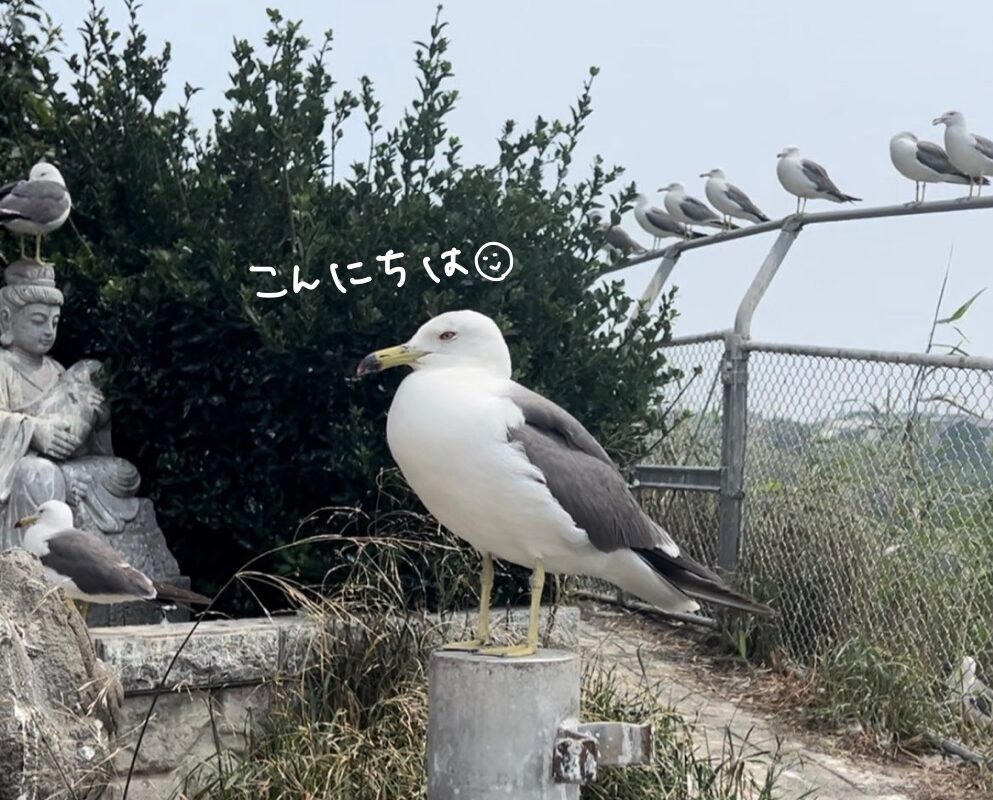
[811, 764]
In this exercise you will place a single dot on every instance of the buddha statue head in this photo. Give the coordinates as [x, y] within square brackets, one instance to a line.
[30, 307]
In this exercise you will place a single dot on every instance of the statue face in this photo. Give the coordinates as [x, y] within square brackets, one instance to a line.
[33, 328]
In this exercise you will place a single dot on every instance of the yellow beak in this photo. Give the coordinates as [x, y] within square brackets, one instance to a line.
[25, 522]
[388, 358]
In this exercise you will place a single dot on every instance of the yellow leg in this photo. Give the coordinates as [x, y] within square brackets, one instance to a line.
[84, 608]
[537, 584]
[37, 248]
[24, 252]
[483, 626]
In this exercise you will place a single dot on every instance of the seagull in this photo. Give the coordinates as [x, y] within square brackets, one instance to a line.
[729, 199]
[973, 697]
[88, 568]
[807, 179]
[520, 479]
[37, 206]
[616, 238]
[924, 163]
[970, 152]
[688, 210]
[657, 222]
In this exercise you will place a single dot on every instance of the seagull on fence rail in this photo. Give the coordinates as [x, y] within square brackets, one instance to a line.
[924, 162]
[657, 222]
[616, 238]
[690, 211]
[807, 179]
[729, 199]
[521, 479]
[970, 152]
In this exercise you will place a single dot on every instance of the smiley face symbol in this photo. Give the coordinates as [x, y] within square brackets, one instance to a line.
[494, 261]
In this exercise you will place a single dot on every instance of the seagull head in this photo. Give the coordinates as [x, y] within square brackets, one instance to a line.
[672, 187]
[788, 151]
[52, 514]
[465, 339]
[950, 118]
[714, 173]
[43, 171]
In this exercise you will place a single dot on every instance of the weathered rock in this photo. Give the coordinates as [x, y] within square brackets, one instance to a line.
[57, 701]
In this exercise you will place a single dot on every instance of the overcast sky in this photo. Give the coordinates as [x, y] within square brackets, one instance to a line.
[684, 88]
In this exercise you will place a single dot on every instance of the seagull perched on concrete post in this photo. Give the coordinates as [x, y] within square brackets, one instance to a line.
[657, 222]
[923, 163]
[807, 179]
[520, 479]
[971, 153]
[86, 567]
[729, 199]
[37, 206]
[688, 210]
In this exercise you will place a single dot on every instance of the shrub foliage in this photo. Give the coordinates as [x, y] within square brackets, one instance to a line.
[240, 412]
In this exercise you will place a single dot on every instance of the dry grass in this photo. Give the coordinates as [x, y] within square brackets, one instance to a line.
[352, 726]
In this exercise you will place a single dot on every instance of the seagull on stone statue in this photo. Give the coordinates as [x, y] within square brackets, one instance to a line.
[522, 480]
[37, 206]
[86, 567]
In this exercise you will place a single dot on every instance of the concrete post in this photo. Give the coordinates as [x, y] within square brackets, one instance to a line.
[493, 725]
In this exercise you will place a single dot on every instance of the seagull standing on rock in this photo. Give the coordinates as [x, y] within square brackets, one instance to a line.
[971, 153]
[807, 180]
[729, 199]
[688, 210]
[37, 206]
[657, 222]
[924, 163]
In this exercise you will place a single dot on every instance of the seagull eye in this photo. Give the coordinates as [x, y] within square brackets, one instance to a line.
[447, 336]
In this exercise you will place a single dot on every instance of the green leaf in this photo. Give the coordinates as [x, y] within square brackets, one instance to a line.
[961, 310]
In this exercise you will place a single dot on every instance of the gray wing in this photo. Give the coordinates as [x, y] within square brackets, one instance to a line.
[817, 175]
[934, 157]
[663, 221]
[744, 202]
[585, 482]
[582, 477]
[983, 145]
[94, 566]
[619, 238]
[697, 211]
[38, 201]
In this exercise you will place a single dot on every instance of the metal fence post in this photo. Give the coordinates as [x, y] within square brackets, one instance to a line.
[734, 375]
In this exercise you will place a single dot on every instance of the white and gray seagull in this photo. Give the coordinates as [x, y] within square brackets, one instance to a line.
[688, 210]
[970, 152]
[520, 479]
[807, 179]
[729, 199]
[37, 206]
[615, 238]
[924, 162]
[86, 567]
[657, 222]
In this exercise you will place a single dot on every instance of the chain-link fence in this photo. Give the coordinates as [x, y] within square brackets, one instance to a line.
[868, 512]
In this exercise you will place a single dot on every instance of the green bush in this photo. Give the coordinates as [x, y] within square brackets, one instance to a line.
[240, 412]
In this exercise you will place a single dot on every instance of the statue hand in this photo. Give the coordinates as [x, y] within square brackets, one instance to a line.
[94, 398]
[53, 439]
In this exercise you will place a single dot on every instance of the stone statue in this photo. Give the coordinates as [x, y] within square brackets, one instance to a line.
[55, 430]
